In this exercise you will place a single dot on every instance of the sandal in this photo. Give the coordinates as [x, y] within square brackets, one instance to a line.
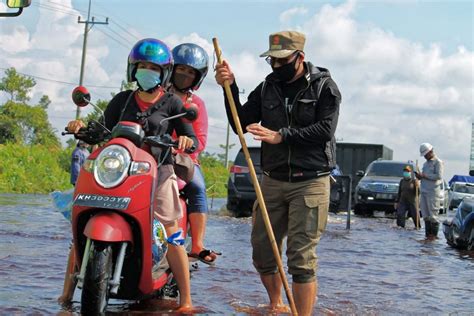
[205, 253]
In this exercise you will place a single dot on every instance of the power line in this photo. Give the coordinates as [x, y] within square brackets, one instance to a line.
[122, 20]
[46, 7]
[113, 38]
[84, 45]
[126, 31]
[59, 81]
[119, 35]
[66, 6]
[218, 127]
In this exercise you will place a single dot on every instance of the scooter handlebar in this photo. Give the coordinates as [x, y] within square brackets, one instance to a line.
[166, 141]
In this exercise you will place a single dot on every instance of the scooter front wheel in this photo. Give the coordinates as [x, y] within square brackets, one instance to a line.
[95, 290]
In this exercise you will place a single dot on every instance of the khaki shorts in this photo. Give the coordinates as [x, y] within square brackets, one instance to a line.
[298, 211]
[168, 207]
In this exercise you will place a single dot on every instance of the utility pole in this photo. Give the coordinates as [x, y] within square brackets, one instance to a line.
[84, 46]
[227, 139]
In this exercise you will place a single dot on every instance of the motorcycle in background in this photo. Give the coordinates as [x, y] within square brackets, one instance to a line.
[459, 231]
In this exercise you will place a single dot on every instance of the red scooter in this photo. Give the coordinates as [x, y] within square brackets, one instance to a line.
[112, 216]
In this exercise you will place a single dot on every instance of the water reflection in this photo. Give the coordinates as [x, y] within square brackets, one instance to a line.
[374, 268]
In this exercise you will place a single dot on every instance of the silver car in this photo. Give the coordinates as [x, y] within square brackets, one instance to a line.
[458, 191]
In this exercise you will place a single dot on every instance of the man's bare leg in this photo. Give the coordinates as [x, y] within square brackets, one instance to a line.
[305, 296]
[273, 285]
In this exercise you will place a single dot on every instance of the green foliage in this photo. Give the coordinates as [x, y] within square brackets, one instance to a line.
[222, 157]
[215, 174]
[19, 122]
[16, 85]
[32, 169]
[95, 115]
[128, 86]
[24, 124]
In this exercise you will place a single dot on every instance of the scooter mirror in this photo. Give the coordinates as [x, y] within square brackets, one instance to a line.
[81, 96]
[191, 113]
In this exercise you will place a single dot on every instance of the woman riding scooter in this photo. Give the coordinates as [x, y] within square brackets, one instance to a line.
[190, 69]
[150, 64]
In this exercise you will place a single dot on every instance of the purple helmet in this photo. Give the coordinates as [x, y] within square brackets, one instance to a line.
[194, 56]
[152, 51]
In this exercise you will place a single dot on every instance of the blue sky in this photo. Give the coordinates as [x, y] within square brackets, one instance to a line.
[405, 68]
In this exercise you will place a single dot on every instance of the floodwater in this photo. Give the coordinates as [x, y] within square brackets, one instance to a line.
[372, 269]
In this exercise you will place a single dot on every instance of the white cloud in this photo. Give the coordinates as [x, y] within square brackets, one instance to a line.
[395, 91]
[15, 40]
[288, 15]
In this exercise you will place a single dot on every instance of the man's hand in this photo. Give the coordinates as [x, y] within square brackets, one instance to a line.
[223, 73]
[420, 175]
[264, 134]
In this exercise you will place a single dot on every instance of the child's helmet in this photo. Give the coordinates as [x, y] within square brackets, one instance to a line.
[194, 56]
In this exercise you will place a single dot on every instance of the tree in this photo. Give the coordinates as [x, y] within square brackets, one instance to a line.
[222, 156]
[16, 85]
[96, 115]
[19, 122]
[128, 86]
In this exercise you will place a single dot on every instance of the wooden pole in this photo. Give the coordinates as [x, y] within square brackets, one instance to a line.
[417, 199]
[256, 185]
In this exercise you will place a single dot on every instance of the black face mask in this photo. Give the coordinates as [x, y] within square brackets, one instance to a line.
[182, 82]
[286, 72]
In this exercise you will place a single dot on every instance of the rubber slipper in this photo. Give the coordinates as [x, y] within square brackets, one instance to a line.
[203, 254]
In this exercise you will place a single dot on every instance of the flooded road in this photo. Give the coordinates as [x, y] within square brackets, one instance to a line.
[374, 268]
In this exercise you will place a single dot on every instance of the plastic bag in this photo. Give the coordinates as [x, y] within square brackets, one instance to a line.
[62, 201]
[183, 167]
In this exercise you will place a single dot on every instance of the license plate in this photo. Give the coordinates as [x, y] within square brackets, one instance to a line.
[102, 201]
[383, 196]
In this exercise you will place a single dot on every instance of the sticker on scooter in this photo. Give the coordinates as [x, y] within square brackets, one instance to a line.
[103, 201]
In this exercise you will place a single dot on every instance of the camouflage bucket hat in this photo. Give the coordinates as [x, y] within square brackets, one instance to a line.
[283, 44]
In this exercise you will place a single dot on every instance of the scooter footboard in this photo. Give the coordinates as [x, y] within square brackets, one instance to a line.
[108, 226]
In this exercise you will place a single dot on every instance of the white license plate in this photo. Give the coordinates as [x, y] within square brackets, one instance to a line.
[383, 196]
[102, 201]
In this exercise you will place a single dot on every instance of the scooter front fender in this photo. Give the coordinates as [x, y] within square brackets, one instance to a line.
[108, 226]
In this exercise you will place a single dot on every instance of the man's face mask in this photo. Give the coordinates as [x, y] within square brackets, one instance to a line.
[148, 79]
[406, 174]
[183, 81]
[286, 72]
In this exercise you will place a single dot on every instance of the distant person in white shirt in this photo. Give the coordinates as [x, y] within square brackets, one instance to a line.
[431, 178]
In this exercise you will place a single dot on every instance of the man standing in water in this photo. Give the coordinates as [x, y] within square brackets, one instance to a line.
[79, 156]
[431, 178]
[297, 106]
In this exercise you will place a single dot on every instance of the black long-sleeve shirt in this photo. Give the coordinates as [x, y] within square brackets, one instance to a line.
[115, 112]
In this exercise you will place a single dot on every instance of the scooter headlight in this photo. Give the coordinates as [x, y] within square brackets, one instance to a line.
[112, 166]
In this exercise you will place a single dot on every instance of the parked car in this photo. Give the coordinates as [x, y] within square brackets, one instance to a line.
[443, 197]
[459, 231]
[378, 188]
[240, 191]
[458, 191]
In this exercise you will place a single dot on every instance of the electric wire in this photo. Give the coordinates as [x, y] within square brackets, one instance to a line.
[62, 82]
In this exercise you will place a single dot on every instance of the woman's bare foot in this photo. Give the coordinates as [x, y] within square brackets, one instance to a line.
[185, 309]
[64, 299]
